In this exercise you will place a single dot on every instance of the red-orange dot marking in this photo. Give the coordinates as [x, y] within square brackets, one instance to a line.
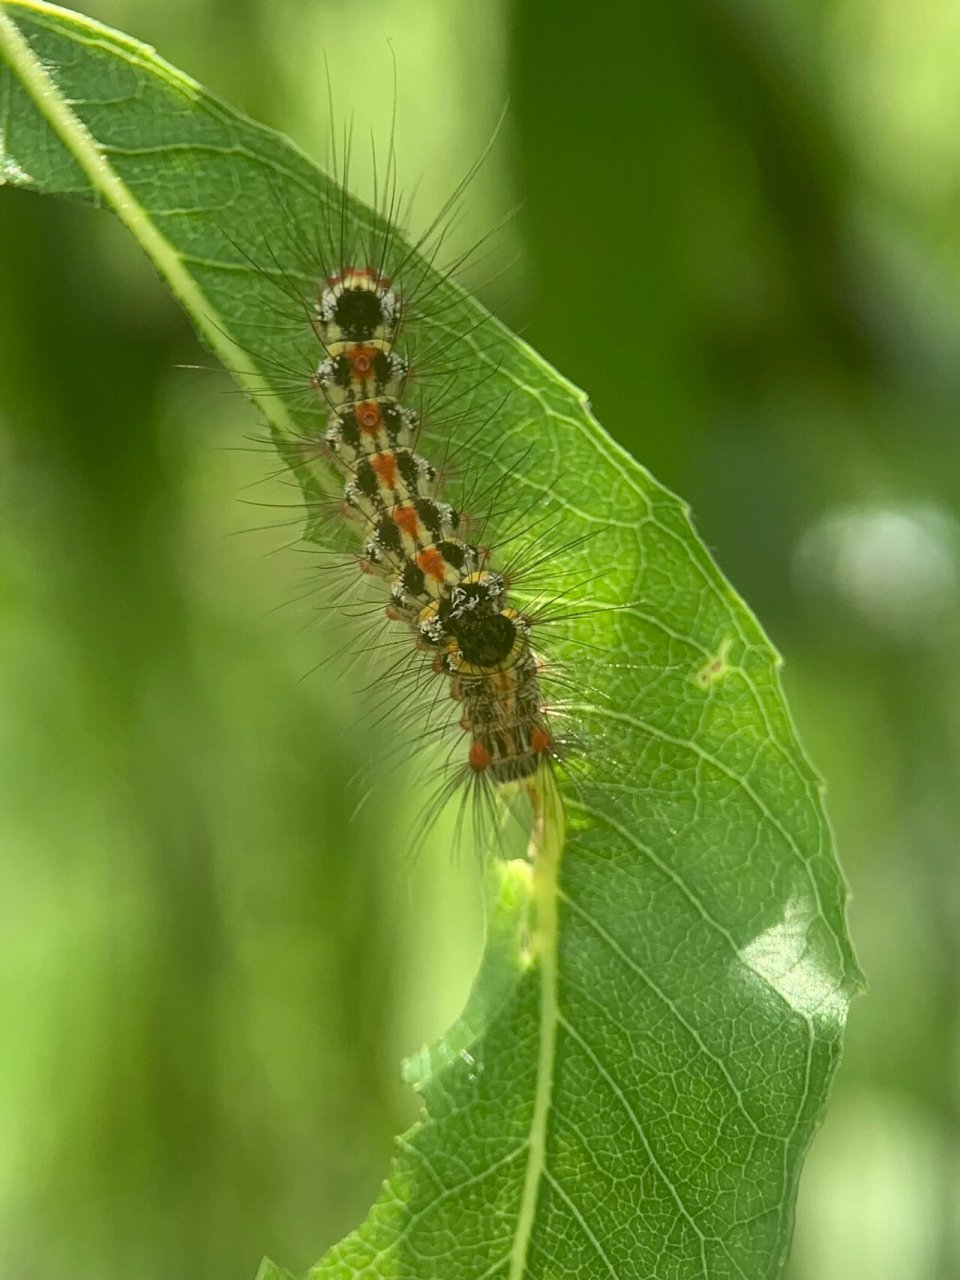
[540, 741]
[362, 360]
[479, 757]
[368, 417]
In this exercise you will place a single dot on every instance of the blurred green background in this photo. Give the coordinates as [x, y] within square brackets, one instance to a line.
[739, 230]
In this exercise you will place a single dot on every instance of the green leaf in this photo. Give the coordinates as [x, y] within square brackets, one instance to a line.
[269, 1271]
[652, 1035]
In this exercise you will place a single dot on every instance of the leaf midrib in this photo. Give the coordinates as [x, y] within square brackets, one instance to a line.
[546, 847]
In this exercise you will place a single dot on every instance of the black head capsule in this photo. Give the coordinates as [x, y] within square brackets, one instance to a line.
[472, 614]
[358, 314]
[357, 305]
[485, 640]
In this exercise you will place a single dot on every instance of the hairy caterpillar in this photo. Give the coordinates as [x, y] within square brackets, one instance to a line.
[441, 585]
[385, 406]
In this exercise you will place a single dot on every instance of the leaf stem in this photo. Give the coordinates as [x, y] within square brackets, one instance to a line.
[546, 845]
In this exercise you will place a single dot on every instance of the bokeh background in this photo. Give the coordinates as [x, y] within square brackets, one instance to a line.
[739, 230]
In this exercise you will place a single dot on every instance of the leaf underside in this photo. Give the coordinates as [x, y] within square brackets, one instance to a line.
[636, 1099]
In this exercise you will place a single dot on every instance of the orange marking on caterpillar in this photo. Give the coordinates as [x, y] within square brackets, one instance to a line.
[385, 465]
[432, 563]
[361, 359]
[368, 417]
[405, 518]
[479, 757]
[540, 741]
